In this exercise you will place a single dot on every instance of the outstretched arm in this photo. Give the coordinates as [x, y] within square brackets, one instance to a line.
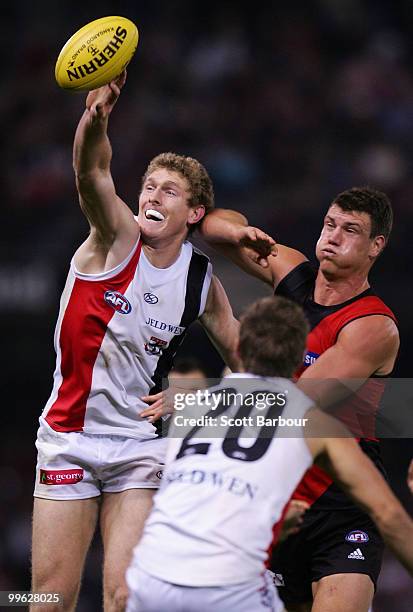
[108, 216]
[221, 325]
[228, 232]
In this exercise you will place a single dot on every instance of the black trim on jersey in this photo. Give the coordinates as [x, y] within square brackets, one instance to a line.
[196, 276]
[298, 286]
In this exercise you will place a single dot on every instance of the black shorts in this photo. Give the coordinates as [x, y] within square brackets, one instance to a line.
[329, 542]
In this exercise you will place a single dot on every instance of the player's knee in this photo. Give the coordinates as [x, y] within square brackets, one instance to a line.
[50, 582]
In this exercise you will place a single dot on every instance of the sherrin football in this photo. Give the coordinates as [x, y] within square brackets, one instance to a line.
[96, 54]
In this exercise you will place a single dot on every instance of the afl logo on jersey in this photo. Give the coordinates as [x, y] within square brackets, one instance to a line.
[118, 302]
[150, 298]
[357, 537]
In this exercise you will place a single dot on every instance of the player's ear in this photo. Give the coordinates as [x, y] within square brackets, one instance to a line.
[196, 213]
[377, 245]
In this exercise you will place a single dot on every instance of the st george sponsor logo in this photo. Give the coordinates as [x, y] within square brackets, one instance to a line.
[357, 536]
[310, 358]
[118, 302]
[61, 477]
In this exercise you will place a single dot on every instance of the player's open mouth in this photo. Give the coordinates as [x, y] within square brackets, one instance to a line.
[154, 215]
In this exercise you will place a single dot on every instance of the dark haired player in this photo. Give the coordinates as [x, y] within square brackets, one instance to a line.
[204, 544]
[353, 336]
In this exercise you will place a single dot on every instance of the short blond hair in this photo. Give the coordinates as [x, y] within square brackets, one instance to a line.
[200, 184]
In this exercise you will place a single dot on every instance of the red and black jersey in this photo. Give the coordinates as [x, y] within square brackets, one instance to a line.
[357, 412]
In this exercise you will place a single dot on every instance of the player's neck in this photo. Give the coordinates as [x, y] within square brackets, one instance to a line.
[331, 291]
[162, 255]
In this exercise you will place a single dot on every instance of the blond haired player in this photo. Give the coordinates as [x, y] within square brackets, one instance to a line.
[206, 540]
[134, 287]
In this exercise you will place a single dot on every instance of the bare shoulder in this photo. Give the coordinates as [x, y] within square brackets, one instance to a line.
[371, 333]
[97, 255]
[372, 340]
[364, 347]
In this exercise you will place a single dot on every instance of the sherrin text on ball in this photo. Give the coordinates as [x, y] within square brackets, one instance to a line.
[96, 54]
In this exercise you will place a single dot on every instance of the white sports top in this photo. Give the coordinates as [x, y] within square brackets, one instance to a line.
[116, 336]
[213, 516]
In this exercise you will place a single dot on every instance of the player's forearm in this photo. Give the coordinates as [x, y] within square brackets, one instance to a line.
[396, 528]
[221, 225]
[91, 148]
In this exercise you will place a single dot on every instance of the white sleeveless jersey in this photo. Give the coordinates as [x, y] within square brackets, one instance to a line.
[220, 497]
[115, 339]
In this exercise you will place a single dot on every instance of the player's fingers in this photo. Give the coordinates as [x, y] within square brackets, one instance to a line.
[299, 504]
[253, 255]
[252, 234]
[258, 234]
[152, 415]
[150, 399]
[121, 79]
[265, 237]
[115, 92]
[155, 417]
[155, 406]
[263, 262]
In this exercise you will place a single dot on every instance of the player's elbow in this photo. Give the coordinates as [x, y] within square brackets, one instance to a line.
[85, 177]
[87, 183]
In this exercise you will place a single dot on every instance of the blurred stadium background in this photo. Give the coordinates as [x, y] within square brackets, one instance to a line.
[286, 103]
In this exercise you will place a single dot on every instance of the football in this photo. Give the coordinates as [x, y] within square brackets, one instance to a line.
[96, 54]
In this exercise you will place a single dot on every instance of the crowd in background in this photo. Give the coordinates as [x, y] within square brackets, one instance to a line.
[286, 104]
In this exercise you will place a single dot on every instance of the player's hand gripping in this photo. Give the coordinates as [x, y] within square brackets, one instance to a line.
[293, 518]
[258, 245]
[101, 101]
[160, 405]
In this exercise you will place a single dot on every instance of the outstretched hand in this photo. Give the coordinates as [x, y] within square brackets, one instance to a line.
[258, 245]
[101, 101]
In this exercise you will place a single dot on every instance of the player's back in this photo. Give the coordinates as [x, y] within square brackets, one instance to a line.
[226, 483]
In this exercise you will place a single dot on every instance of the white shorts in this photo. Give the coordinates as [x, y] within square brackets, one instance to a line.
[76, 465]
[149, 594]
